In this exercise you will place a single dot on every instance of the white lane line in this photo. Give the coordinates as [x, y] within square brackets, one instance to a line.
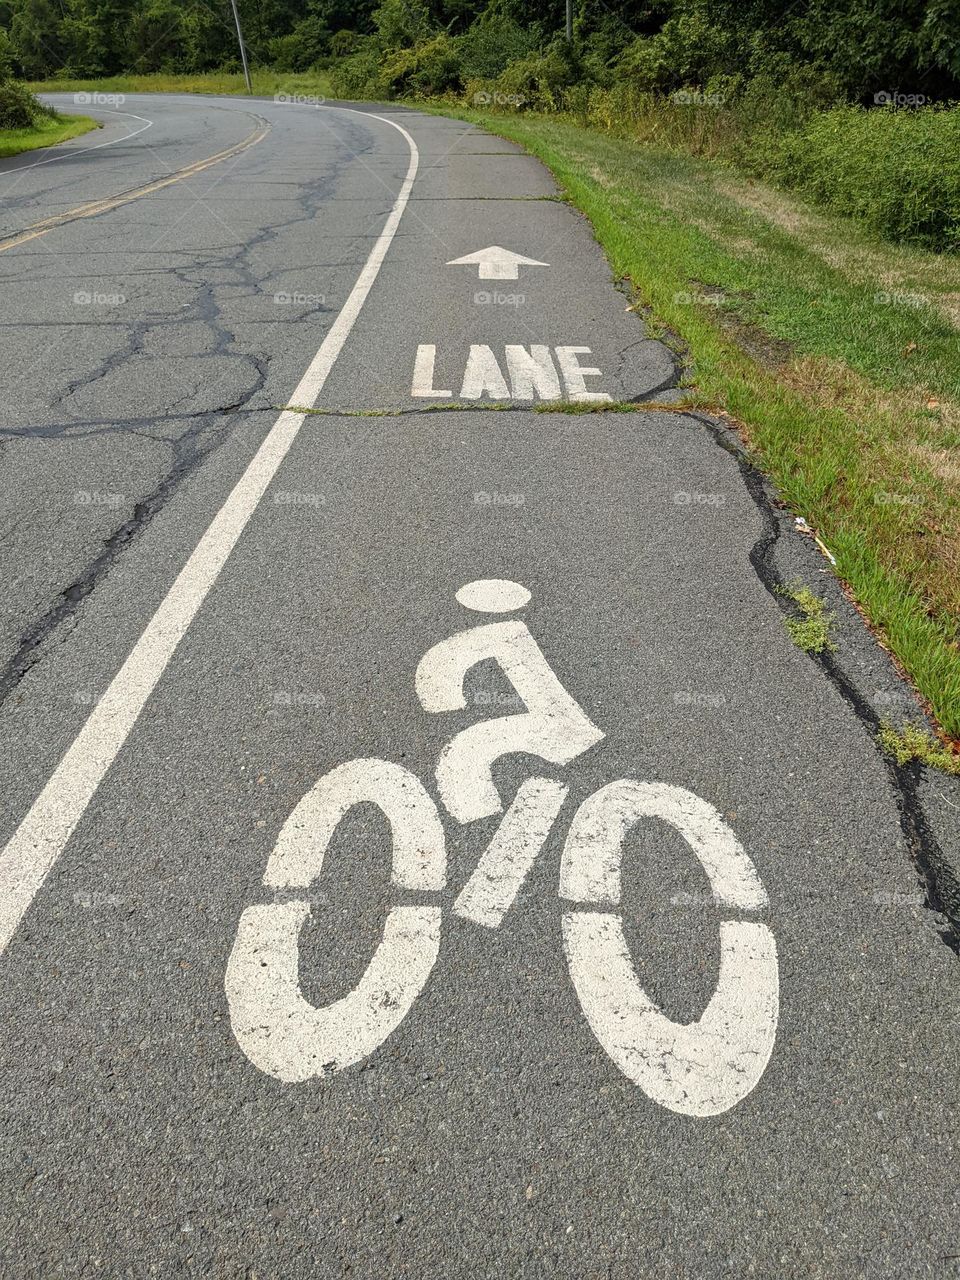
[62, 155]
[42, 835]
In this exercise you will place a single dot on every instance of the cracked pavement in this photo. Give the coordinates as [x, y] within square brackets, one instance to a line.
[490, 1134]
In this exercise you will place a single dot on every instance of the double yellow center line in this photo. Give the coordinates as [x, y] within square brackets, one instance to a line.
[125, 197]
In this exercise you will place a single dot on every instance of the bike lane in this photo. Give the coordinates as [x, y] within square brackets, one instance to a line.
[490, 1133]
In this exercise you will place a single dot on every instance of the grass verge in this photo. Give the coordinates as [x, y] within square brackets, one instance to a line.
[314, 84]
[836, 352]
[47, 132]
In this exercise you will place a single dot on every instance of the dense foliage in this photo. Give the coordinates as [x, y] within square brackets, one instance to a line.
[19, 109]
[829, 48]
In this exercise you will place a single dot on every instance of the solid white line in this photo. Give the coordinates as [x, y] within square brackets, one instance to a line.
[62, 155]
[42, 835]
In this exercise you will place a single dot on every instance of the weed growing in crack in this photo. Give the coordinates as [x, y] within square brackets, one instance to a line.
[811, 631]
[680, 407]
[913, 743]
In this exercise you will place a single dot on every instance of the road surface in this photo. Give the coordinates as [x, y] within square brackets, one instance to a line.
[691, 1010]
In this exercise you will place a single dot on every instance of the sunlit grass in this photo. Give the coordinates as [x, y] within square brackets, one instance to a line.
[45, 133]
[266, 83]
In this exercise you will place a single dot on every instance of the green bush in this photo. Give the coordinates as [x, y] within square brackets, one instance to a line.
[402, 23]
[359, 75]
[430, 68]
[896, 170]
[303, 48]
[537, 81]
[19, 109]
[489, 46]
[688, 50]
[343, 44]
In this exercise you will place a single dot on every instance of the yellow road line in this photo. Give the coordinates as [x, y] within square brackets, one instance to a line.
[125, 197]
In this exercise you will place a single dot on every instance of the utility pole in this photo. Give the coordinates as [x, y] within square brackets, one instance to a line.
[569, 21]
[243, 47]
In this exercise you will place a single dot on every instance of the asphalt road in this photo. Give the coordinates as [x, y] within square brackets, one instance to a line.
[211, 602]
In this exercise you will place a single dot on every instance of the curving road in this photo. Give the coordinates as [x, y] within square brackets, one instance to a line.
[731, 1051]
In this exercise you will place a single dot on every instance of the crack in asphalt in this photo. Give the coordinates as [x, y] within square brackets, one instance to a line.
[938, 879]
[189, 453]
[84, 429]
[192, 447]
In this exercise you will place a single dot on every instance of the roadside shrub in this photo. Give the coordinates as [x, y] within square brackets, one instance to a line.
[490, 44]
[538, 80]
[687, 50]
[303, 48]
[432, 67]
[359, 75]
[897, 171]
[402, 23]
[343, 44]
[19, 109]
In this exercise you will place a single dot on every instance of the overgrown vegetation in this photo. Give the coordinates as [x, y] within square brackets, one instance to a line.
[775, 50]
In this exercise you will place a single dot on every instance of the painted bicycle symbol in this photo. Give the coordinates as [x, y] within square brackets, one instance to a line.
[700, 1068]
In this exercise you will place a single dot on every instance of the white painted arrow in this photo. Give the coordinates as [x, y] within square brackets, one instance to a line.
[496, 263]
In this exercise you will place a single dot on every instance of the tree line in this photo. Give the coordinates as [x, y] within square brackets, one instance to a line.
[851, 48]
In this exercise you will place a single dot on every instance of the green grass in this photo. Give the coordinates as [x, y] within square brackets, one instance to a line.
[837, 353]
[265, 84]
[47, 132]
